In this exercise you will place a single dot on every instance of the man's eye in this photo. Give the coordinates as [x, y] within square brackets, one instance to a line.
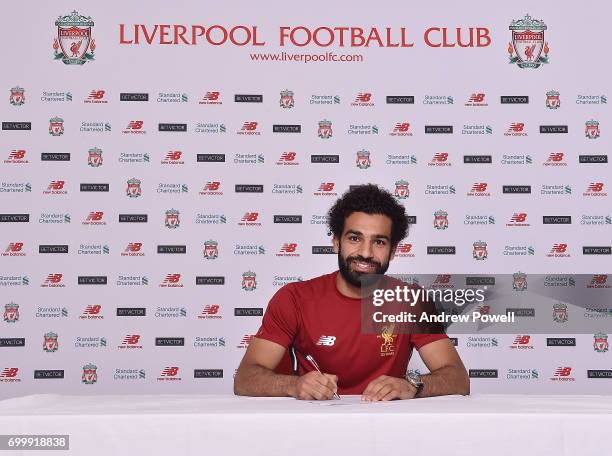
[353, 238]
[380, 242]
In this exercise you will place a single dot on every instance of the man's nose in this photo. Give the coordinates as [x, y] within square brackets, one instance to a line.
[366, 250]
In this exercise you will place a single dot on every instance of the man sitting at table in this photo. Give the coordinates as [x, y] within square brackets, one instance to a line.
[321, 317]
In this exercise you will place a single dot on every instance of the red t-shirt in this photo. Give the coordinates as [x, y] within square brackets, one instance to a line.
[314, 318]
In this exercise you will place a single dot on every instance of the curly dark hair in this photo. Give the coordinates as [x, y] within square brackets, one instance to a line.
[371, 199]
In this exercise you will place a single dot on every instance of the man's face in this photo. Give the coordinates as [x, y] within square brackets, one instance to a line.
[364, 247]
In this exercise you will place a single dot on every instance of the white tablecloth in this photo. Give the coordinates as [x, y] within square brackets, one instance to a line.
[491, 425]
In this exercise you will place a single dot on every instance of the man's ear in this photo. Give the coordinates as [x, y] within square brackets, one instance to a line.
[336, 244]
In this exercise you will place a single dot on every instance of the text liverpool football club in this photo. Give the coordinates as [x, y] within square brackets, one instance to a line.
[301, 36]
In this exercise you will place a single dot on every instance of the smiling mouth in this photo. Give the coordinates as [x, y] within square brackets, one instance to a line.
[361, 266]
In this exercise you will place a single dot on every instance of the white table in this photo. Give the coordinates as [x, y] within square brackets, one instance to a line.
[492, 425]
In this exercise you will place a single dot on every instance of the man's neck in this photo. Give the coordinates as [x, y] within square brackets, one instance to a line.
[346, 289]
[351, 291]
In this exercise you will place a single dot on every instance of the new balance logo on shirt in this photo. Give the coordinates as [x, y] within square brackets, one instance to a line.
[327, 340]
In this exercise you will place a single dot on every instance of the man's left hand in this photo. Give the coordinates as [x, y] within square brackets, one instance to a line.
[386, 388]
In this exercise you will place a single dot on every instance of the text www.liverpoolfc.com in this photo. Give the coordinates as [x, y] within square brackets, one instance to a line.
[326, 57]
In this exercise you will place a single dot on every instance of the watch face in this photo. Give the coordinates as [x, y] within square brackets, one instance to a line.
[416, 378]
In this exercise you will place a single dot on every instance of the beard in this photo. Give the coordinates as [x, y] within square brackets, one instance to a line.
[355, 278]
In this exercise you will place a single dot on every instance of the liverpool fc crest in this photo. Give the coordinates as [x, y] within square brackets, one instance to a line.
[211, 249]
[286, 99]
[56, 126]
[560, 312]
[528, 48]
[133, 189]
[363, 159]
[600, 344]
[94, 158]
[50, 344]
[74, 39]
[90, 374]
[552, 99]
[325, 129]
[591, 129]
[172, 219]
[387, 347]
[519, 281]
[11, 312]
[17, 96]
[249, 281]
[440, 220]
[401, 189]
[480, 250]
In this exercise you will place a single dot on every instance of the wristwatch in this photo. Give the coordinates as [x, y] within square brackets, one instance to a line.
[415, 380]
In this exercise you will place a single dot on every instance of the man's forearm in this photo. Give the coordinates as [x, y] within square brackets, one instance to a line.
[446, 380]
[254, 380]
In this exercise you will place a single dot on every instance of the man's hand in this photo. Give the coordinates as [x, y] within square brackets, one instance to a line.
[314, 386]
[386, 388]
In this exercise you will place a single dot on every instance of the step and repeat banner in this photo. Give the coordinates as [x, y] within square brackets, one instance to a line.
[164, 169]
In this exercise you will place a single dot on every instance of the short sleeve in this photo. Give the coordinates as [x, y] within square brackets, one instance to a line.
[427, 332]
[419, 340]
[280, 321]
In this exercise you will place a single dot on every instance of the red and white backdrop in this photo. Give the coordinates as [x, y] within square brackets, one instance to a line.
[164, 169]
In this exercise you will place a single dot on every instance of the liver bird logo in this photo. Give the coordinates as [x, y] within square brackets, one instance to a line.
[74, 48]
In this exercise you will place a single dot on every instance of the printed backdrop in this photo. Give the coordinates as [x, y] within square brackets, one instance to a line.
[164, 169]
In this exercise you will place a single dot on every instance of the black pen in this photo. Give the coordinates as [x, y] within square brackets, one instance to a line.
[312, 361]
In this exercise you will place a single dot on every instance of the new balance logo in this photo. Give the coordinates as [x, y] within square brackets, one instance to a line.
[212, 186]
[287, 156]
[14, 247]
[563, 372]
[135, 125]
[131, 339]
[17, 155]
[96, 95]
[172, 278]
[522, 340]
[246, 341]
[54, 278]
[250, 217]
[328, 341]
[518, 217]
[440, 157]
[9, 372]
[56, 185]
[476, 98]
[133, 247]
[170, 371]
[95, 216]
[558, 248]
[211, 96]
[93, 309]
[174, 155]
[288, 248]
[249, 126]
[595, 187]
[210, 309]
[363, 97]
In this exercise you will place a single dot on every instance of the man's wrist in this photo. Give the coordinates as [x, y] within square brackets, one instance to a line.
[291, 388]
[416, 382]
[411, 388]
